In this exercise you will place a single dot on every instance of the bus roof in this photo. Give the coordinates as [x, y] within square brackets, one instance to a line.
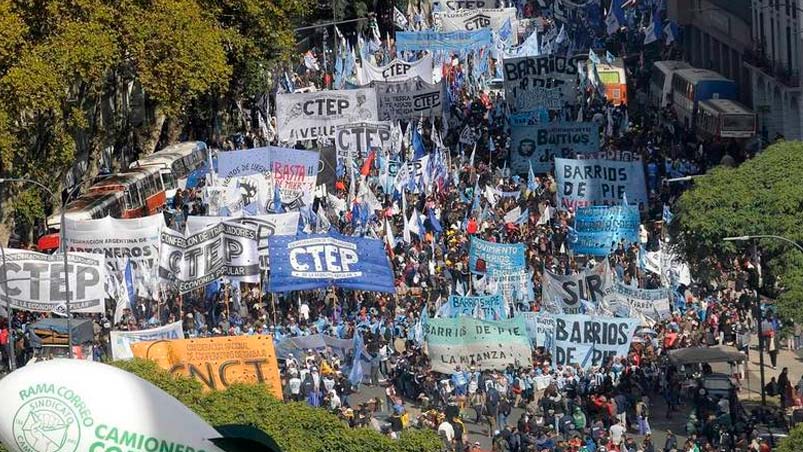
[81, 208]
[671, 65]
[166, 156]
[694, 75]
[122, 179]
[725, 106]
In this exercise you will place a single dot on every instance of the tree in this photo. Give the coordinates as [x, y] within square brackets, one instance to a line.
[763, 196]
[793, 442]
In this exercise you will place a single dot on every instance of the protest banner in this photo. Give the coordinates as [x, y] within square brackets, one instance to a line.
[217, 362]
[478, 19]
[652, 304]
[434, 41]
[539, 144]
[309, 116]
[456, 5]
[540, 328]
[324, 260]
[267, 226]
[486, 256]
[527, 78]
[317, 342]
[250, 175]
[35, 282]
[668, 265]
[601, 228]
[357, 139]
[121, 340]
[591, 285]
[398, 70]
[408, 99]
[591, 341]
[484, 344]
[583, 183]
[192, 261]
[487, 307]
[410, 170]
[621, 155]
[515, 286]
[327, 174]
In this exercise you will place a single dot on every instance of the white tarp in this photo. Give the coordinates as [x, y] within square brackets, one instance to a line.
[309, 116]
[121, 340]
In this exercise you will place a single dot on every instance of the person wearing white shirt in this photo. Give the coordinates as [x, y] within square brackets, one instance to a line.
[617, 433]
[295, 385]
[303, 311]
[334, 400]
[446, 432]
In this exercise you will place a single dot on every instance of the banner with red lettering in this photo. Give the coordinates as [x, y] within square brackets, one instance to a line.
[596, 182]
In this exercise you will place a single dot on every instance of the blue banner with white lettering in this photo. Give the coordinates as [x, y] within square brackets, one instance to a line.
[323, 260]
[601, 228]
[488, 256]
[489, 307]
[433, 41]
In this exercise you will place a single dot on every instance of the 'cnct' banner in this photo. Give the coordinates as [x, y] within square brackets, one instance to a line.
[598, 182]
[488, 307]
[398, 70]
[486, 256]
[226, 249]
[36, 282]
[309, 116]
[121, 340]
[408, 99]
[539, 144]
[267, 226]
[535, 81]
[591, 341]
[601, 228]
[652, 304]
[250, 176]
[591, 285]
[314, 261]
[486, 344]
[357, 139]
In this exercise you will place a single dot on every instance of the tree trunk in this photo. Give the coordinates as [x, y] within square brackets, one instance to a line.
[151, 134]
[175, 126]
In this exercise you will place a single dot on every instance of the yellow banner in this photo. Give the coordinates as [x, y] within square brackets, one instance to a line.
[217, 361]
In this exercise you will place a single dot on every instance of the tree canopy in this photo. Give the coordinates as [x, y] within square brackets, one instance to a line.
[763, 196]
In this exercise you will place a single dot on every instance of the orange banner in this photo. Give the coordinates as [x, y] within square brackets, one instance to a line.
[217, 361]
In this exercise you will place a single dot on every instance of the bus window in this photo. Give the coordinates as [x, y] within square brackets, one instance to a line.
[168, 180]
[609, 78]
[737, 123]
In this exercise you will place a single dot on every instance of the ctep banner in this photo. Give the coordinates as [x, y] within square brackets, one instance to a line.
[121, 340]
[322, 260]
[539, 144]
[357, 139]
[489, 307]
[398, 70]
[249, 176]
[601, 228]
[309, 116]
[36, 281]
[567, 291]
[267, 226]
[217, 362]
[195, 260]
[486, 256]
[478, 19]
[485, 344]
[598, 182]
[591, 341]
[408, 99]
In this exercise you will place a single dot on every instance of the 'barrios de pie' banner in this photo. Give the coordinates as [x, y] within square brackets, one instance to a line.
[484, 256]
[567, 291]
[398, 70]
[323, 260]
[217, 362]
[36, 282]
[408, 99]
[488, 307]
[309, 116]
[192, 261]
[485, 344]
[250, 175]
[539, 144]
[598, 182]
[121, 340]
[591, 341]
[535, 81]
[601, 228]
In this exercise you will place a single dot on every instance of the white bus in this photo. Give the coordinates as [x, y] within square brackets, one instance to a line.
[175, 163]
[724, 119]
[661, 81]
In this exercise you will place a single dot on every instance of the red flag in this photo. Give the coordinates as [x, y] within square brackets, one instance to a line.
[368, 163]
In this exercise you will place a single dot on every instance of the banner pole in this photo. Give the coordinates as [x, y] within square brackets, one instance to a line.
[273, 303]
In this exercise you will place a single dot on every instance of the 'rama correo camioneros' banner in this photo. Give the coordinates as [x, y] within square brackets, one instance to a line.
[591, 341]
[484, 344]
[36, 282]
[322, 260]
[309, 116]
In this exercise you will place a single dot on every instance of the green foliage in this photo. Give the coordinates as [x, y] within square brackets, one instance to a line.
[793, 442]
[296, 427]
[761, 197]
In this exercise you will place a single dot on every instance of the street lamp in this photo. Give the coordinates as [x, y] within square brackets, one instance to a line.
[759, 320]
[63, 246]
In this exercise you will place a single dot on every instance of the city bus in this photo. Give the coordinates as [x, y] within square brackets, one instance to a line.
[175, 164]
[690, 86]
[724, 119]
[91, 206]
[661, 81]
[615, 80]
[142, 190]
